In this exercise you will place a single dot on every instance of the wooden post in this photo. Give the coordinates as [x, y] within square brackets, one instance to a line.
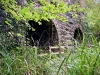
[59, 51]
[50, 51]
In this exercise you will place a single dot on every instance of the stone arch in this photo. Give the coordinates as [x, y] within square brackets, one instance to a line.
[78, 35]
[45, 35]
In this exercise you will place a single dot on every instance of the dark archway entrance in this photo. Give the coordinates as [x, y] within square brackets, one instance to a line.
[78, 35]
[45, 35]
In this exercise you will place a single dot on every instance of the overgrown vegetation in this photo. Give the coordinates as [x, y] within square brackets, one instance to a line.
[83, 60]
[93, 15]
[42, 10]
[18, 15]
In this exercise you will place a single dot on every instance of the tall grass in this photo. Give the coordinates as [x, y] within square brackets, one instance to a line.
[25, 61]
[85, 60]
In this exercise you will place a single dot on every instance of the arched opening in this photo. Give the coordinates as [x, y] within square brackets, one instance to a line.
[78, 35]
[45, 35]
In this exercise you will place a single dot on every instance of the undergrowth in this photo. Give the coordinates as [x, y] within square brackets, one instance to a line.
[85, 60]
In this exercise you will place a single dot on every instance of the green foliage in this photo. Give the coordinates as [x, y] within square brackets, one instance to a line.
[25, 60]
[93, 16]
[46, 11]
[20, 61]
[85, 60]
[17, 16]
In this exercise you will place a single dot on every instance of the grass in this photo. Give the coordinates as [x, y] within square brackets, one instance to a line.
[24, 61]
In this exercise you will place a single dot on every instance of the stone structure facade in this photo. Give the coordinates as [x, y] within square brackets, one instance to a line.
[54, 32]
[57, 32]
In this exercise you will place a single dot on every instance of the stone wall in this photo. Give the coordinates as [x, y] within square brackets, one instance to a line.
[66, 31]
[72, 30]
